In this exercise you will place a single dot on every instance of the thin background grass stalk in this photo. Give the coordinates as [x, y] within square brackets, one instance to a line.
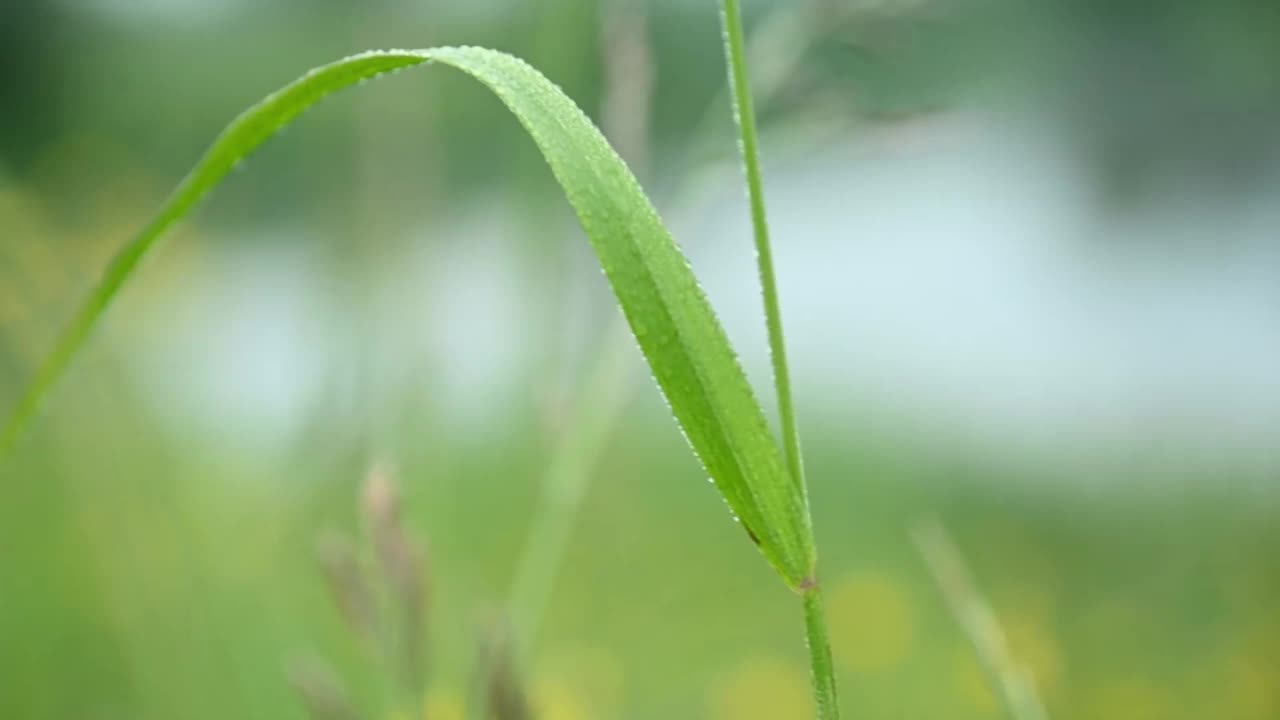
[1010, 681]
[383, 602]
[595, 412]
[402, 570]
[579, 447]
[591, 421]
[321, 692]
[625, 121]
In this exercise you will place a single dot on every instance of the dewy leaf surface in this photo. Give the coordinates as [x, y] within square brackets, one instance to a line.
[677, 331]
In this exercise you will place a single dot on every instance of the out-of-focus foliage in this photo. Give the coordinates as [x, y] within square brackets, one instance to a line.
[156, 560]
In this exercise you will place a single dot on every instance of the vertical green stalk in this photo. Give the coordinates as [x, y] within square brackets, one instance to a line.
[744, 115]
[822, 672]
[824, 676]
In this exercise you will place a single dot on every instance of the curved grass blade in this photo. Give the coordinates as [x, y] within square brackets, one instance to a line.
[686, 348]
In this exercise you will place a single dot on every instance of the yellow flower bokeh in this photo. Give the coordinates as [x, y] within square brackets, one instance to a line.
[873, 624]
[762, 688]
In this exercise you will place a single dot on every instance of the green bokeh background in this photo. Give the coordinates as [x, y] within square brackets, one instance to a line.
[151, 568]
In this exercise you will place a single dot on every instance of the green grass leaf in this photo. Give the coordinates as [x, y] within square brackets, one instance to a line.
[677, 331]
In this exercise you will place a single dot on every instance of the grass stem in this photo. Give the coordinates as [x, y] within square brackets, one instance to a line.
[824, 677]
[823, 674]
[745, 116]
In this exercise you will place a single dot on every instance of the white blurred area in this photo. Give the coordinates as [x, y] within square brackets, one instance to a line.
[951, 280]
[958, 278]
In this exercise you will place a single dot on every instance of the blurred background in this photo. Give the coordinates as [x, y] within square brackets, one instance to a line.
[1030, 271]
